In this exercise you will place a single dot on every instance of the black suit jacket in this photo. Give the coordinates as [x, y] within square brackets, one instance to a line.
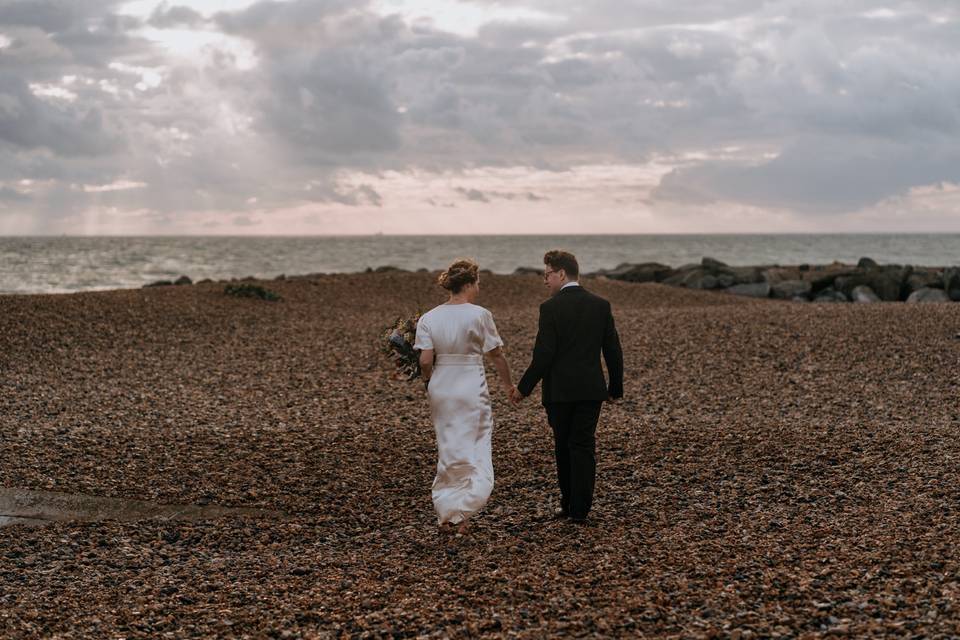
[576, 326]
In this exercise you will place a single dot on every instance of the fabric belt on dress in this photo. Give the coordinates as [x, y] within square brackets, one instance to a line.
[459, 360]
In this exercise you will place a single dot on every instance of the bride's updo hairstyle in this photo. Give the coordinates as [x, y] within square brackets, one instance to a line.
[459, 274]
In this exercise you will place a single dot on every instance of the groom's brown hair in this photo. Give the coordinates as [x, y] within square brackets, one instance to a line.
[557, 259]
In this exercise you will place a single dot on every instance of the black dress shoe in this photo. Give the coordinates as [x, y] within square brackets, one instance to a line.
[560, 514]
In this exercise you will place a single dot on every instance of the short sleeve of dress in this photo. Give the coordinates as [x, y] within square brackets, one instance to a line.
[491, 338]
[423, 339]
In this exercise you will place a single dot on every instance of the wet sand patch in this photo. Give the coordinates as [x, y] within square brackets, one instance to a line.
[26, 506]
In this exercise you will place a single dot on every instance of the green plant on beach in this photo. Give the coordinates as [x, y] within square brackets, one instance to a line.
[250, 291]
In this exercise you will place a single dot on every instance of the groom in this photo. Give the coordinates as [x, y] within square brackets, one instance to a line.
[576, 326]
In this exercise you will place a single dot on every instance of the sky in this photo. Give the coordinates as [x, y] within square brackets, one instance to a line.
[329, 117]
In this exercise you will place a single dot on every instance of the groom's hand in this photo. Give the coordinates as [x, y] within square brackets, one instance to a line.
[515, 395]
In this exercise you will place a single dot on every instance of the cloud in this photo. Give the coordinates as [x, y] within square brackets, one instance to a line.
[30, 123]
[852, 122]
[47, 15]
[166, 17]
[476, 195]
[831, 108]
[819, 176]
[245, 221]
[8, 194]
[361, 194]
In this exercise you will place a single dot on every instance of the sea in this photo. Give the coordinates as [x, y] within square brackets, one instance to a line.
[65, 264]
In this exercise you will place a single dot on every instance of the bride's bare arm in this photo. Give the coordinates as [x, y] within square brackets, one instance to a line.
[426, 365]
[499, 362]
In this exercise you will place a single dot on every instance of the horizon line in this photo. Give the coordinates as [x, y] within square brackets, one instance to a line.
[487, 235]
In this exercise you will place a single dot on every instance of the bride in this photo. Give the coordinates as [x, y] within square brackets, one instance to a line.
[454, 337]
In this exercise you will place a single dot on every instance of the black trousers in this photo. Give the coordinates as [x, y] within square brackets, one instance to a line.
[574, 427]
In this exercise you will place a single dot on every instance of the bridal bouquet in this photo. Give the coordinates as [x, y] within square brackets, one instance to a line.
[397, 343]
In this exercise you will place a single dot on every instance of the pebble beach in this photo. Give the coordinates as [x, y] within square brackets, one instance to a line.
[777, 469]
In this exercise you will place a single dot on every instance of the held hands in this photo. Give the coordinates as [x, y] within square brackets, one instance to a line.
[516, 397]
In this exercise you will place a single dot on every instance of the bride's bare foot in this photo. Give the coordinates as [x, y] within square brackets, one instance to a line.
[463, 527]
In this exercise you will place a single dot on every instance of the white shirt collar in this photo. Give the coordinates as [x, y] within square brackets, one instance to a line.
[572, 283]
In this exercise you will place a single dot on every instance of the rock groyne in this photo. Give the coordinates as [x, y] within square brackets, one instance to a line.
[867, 281]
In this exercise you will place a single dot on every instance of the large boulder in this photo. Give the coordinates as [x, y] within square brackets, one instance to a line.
[928, 295]
[709, 274]
[679, 274]
[864, 294]
[924, 278]
[711, 264]
[527, 271]
[774, 275]
[642, 272]
[867, 263]
[850, 281]
[824, 276]
[790, 289]
[695, 278]
[725, 280]
[747, 275]
[951, 283]
[889, 281]
[752, 289]
[830, 295]
[182, 280]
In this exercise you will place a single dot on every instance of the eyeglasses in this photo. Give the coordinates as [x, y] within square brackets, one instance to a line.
[546, 274]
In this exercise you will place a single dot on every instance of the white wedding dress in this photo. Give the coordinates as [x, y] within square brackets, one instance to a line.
[460, 405]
